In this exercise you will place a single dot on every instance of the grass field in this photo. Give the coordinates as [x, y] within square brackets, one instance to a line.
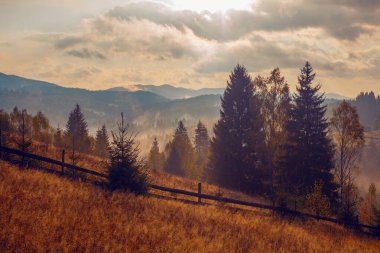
[40, 212]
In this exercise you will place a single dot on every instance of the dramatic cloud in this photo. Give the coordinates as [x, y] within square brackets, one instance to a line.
[68, 41]
[86, 53]
[268, 15]
[153, 42]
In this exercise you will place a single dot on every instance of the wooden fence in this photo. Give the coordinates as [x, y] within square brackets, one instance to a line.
[198, 194]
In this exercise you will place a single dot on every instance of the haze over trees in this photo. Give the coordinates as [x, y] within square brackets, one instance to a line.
[202, 146]
[181, 156]
[101, 142]
[266, 143]
[155, 157]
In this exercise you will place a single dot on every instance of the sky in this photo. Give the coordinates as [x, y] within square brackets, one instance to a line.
[98, 44]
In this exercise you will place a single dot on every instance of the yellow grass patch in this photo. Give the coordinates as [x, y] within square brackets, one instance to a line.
[40, 212]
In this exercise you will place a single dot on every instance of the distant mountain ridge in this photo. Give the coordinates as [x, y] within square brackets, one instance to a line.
[170, 91]
[163, 104]
[56, 102]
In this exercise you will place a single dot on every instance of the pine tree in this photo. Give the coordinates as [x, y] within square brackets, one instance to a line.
[308, 154]
[237, 149]
[102, 142]
[155, 158]
[76, 134]
[181, 158]
[202, 145]
[126, 169]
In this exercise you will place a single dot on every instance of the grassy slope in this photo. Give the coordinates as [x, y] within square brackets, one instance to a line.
[40, 212]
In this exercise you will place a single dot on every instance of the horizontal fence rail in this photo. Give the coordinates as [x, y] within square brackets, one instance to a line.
[51, 161]
[198, 194]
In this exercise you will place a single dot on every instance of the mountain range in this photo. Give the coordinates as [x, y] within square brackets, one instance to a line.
[146, 106]
[153, 111]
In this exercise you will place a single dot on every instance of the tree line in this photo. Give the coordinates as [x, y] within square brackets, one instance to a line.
[267, 142]
[270, 143]
[24, 130]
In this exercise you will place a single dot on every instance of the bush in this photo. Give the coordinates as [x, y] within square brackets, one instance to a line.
[317, 203]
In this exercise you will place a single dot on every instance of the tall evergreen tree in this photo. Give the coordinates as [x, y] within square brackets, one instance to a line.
[237, 149]
[102, 142]
[308, 157]
[181, 158]
[76, 134]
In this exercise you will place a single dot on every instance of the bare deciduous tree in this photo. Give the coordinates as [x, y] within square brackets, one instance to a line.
[348, 136]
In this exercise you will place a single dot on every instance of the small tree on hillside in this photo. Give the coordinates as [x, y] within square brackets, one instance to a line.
[102, 142]
[181, 158]
[316, 202]
[202, 146]
[126, 170]
[155, 158]
[76, 134]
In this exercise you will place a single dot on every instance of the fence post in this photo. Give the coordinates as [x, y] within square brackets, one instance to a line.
[63, 161]
[199, 193]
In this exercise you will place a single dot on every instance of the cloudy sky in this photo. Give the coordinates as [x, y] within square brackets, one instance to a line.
[98, 44]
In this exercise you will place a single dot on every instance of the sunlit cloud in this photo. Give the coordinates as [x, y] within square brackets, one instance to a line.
[192, 44]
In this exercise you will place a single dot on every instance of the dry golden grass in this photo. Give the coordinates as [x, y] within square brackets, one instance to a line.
[40, 212]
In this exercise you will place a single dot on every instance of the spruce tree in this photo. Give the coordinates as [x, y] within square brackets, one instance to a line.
[102, 142]
[202, 144]
[181, 156]
[76, 134]
[126, 170]
[237, 149]
[308, 157]
[155, 159]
